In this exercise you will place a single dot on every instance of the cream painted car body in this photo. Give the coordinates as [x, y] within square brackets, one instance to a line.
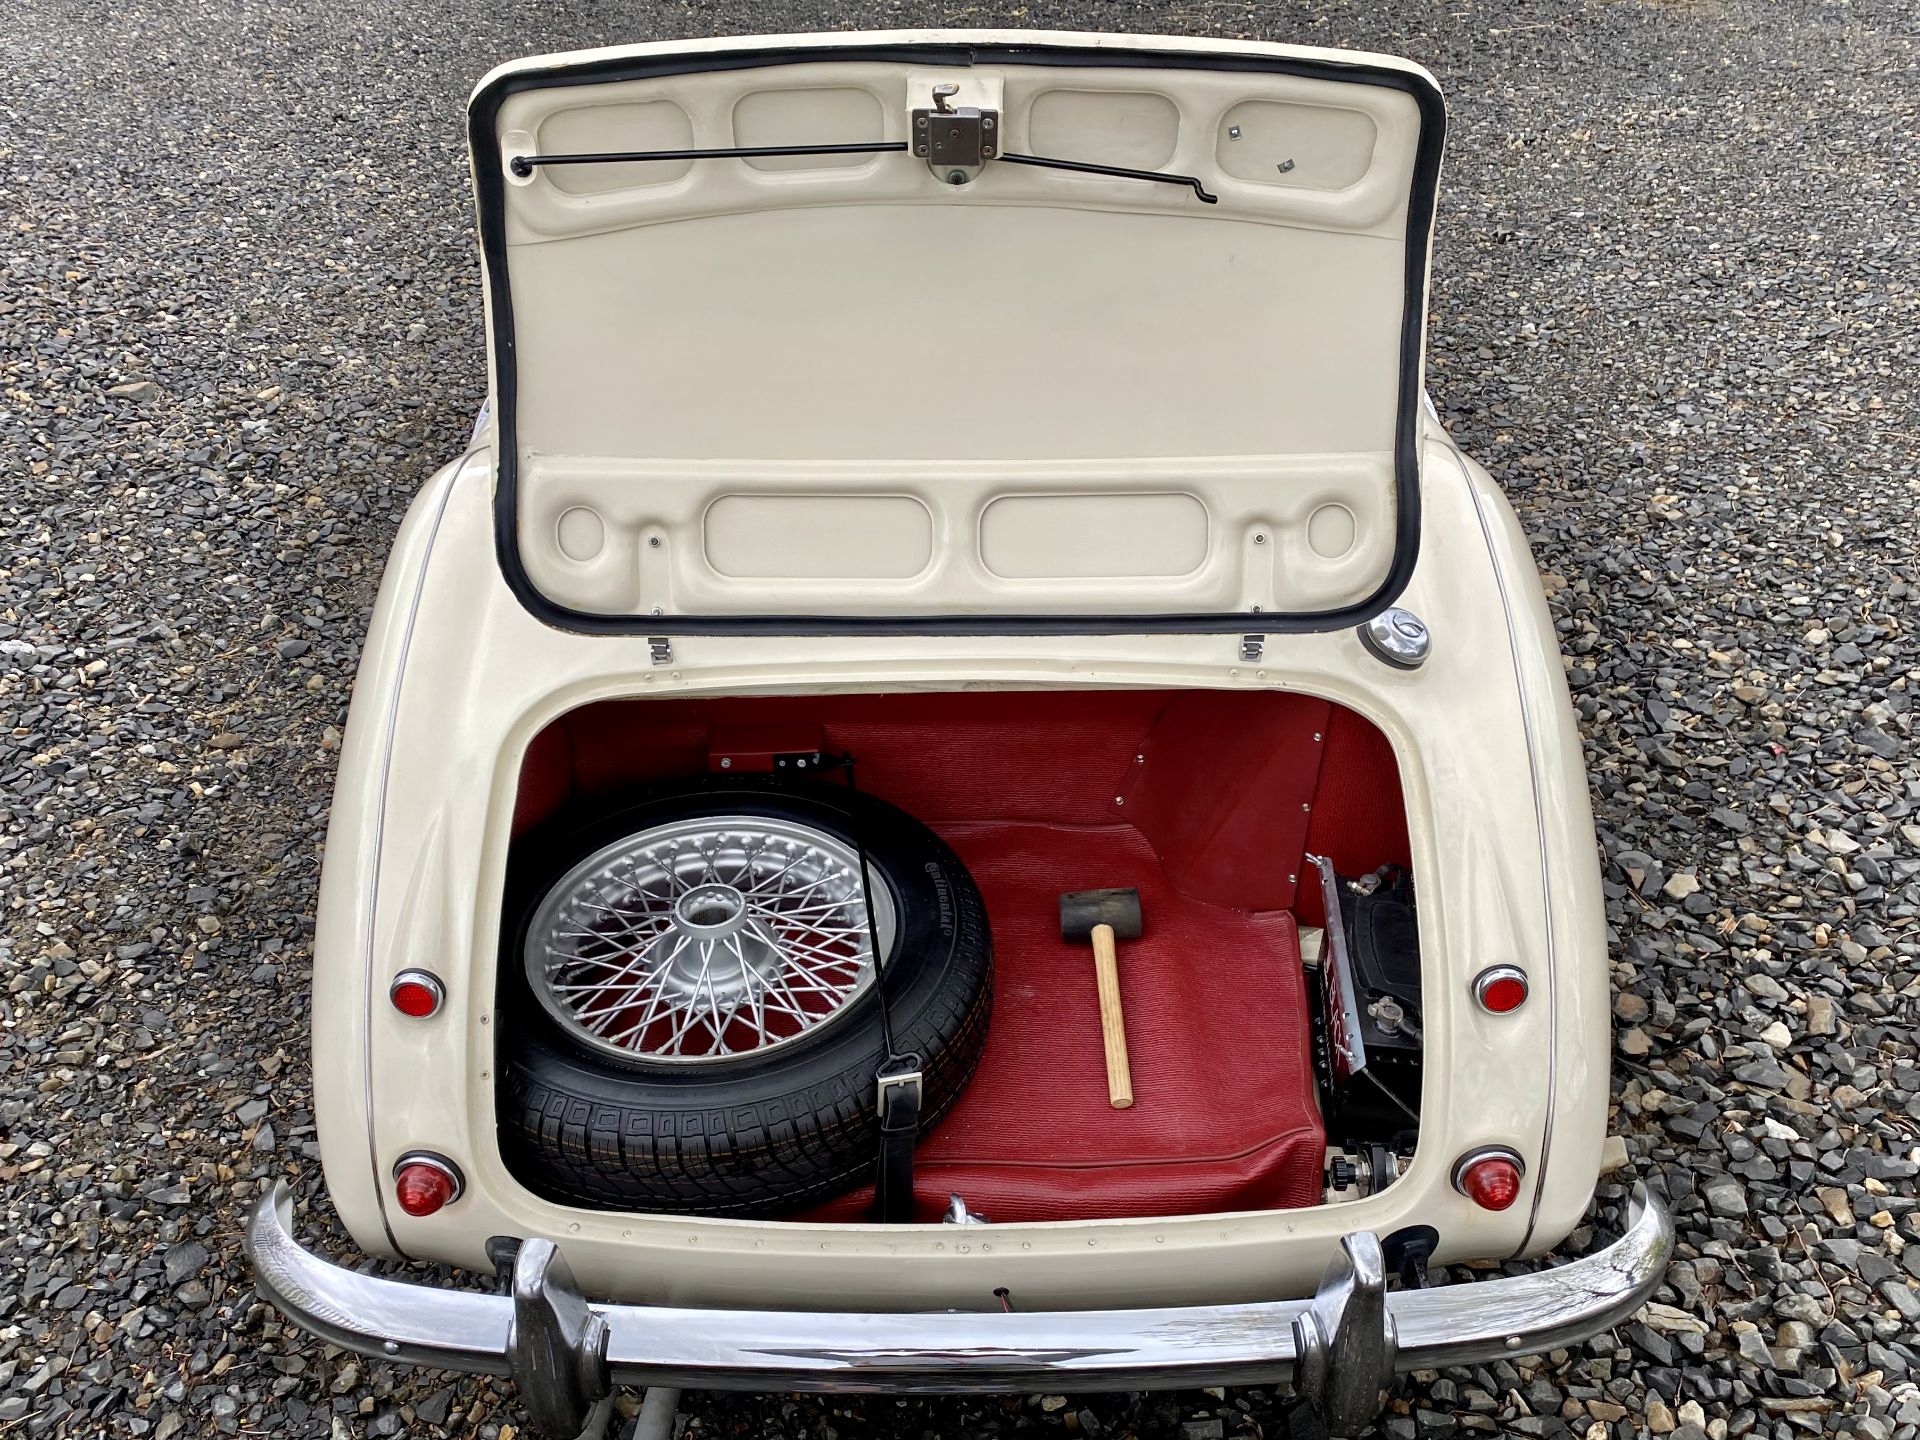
[459, 674]
[458, 677]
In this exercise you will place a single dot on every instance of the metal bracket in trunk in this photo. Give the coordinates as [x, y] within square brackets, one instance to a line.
[1347, 1046]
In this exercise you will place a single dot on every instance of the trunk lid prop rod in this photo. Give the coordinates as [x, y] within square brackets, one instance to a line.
[523, 166]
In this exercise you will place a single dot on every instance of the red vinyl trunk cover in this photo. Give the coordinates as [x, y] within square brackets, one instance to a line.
[1205, 801]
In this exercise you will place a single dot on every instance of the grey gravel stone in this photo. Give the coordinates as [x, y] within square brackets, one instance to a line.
[1725, 1196]
[186, 1260]
[1903, 1298]
[1752, 1346]
[434, 1408]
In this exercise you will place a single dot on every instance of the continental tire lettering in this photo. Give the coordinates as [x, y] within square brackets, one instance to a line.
[943, 896]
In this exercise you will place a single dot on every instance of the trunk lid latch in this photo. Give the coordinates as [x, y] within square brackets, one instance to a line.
[955, 140]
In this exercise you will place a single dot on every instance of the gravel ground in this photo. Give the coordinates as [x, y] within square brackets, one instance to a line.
[1675, 309]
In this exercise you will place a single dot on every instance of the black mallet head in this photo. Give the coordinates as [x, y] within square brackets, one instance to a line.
[1082, 910]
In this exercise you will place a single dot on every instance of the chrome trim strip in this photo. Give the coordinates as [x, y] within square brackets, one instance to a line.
[378, 847]
[954, 1352]
[1531, 731]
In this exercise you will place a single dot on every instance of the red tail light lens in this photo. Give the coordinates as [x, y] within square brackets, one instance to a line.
[1489, 1178]
[424, 1184]
[1501, 988]
[418, 993]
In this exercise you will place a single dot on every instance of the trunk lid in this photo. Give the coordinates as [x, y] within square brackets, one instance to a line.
[914, 378]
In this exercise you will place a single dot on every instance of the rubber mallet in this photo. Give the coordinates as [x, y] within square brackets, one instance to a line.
[1098, 918]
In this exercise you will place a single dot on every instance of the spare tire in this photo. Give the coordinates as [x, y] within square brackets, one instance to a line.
[690, 1019]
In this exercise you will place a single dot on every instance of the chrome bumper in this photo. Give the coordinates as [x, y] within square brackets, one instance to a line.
[1340, 1347]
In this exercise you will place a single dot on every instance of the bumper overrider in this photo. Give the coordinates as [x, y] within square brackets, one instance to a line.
[1340, 1348]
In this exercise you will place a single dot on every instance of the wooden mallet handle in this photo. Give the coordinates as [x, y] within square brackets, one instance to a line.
[1113, 1025]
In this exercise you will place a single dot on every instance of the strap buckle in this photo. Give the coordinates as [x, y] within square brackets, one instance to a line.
[888, 1083]
[897, 1092]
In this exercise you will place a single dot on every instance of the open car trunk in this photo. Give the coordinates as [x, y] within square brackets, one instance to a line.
[1208, 802]
[957, 333]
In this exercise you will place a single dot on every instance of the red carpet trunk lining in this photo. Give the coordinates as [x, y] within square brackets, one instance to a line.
[1206, 802]
[1217, 1037]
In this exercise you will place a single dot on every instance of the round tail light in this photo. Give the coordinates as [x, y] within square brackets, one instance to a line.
[1501, 988]
[418, 993]
[424, 1184]
[1490, 1178]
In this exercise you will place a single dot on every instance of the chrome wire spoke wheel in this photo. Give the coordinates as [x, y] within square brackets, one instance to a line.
[707, 939]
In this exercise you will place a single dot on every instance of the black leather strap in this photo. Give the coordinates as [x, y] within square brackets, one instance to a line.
[899, 1132]
[898, 1078]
